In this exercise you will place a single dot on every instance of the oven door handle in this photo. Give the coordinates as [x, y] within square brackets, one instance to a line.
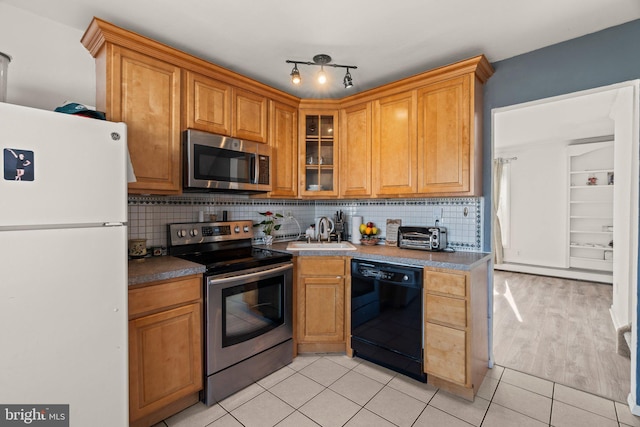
[249, 276]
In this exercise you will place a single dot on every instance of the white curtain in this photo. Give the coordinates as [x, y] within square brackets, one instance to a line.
[498, 251]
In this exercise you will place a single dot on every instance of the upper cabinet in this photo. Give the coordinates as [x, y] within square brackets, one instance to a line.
[394, 145]
[249, 116]
[208, 104]
[283, 138]
[144, 92]
[319, 153]
[159, 91]
[426, 132]
[417, 137]
[355, 151]
[217, 107]
[142, 88]
[444, 138]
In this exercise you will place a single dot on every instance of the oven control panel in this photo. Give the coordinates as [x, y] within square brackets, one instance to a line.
[190, 233]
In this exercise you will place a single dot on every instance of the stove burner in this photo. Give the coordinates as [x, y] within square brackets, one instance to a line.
[220, 262]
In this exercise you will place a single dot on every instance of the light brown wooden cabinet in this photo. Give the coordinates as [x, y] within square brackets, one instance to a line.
[424, 131]
[207, 104]
[218, 107]
[249, 119]
[394, 145]
[321, 292]
[144, 92]
[319, 154]
[159, 91]
[427, 138]
[355, 151]
[445, 154]
[456, 352]
[283, 138]
[422, 142]
[165, 349]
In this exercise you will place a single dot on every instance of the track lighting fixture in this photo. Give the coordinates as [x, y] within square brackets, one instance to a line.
[321, 60]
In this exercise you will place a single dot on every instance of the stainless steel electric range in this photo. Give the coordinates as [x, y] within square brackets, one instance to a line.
[247, 303]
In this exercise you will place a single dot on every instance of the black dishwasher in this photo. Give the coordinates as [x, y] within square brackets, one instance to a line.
[386, 316]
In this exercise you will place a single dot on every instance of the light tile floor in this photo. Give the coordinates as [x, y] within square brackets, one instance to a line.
[335, 390]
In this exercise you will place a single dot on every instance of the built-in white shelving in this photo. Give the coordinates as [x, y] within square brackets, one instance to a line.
[591, 181]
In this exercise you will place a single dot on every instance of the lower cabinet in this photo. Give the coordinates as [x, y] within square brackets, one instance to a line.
[456, 353]
[320, 302]
[165, 349]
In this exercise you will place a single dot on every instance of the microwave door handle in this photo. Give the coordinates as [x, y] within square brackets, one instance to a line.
[255, 170]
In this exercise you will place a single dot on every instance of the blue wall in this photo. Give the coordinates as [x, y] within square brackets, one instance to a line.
[599, 59]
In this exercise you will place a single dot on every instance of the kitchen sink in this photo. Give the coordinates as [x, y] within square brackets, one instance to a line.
[324, 246]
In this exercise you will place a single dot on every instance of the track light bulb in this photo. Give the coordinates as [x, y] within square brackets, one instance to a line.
[348, 81]
[322, 77]
[295, 75]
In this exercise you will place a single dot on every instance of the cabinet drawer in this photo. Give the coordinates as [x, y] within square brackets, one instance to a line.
[446, 283]
[445, 353]
[451, 311]
[321, 266]
[164, 294]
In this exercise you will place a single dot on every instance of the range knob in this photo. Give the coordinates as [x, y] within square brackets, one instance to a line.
[236, 229]
[182, 233]
[194, 232]
[246, 228]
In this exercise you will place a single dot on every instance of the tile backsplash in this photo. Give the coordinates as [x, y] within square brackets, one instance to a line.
[149, 215]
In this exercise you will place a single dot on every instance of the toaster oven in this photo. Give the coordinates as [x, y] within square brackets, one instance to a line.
[422, 238]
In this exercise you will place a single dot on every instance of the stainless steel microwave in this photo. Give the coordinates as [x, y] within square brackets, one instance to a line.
[219, 163]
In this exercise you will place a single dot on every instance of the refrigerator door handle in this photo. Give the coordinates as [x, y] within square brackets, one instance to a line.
[114, 224]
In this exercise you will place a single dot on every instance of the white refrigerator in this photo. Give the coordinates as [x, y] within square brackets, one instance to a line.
[63, 268]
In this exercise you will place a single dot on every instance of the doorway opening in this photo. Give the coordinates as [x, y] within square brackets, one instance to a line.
[551, 157]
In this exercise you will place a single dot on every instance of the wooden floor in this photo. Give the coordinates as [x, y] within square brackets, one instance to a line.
[561, 330]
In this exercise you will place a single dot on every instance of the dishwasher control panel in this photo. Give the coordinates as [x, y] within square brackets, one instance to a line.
[387, 272]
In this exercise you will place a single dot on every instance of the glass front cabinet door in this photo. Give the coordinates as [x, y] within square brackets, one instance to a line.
[319, 153]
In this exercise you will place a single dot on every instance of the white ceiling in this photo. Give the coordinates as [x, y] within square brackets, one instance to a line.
[387, 40]
[578, 117]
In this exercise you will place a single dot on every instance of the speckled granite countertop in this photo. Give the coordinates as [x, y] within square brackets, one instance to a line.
[161, 268]
[168, 267]
[450, 260]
